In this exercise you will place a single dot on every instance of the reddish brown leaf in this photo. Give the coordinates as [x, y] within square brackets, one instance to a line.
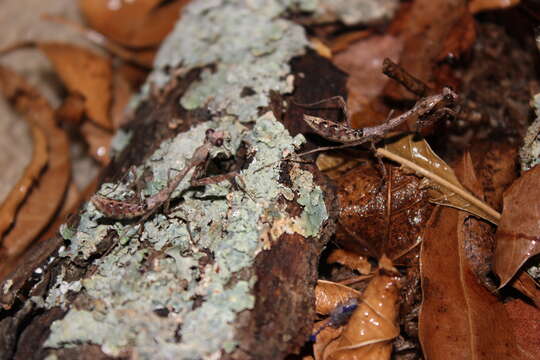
[85, 73]
[372, 326]
[497, 164]
[459, 318]
[528, 287]
[525, 319]
[45, 199]
[483, 5]
[72, 109]
[351, 260]
[139, 23]
[328, 295]
[518, 235]
[363, 62]
[122, 93]
[388, 221]
[425, 30]
[20, 191]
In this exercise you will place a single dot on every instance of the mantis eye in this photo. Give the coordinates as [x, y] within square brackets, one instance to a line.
[209, 132]
[218, 142]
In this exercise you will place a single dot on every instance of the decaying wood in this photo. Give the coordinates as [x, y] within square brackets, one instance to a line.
[281, 319]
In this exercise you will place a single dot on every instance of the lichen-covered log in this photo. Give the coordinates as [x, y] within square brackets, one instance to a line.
[229, 271]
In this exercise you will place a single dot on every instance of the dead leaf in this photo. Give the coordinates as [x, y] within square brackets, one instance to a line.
[336, 165]
[496, 164]
[381, 217]
[122, 92]
[372, 326]
[519, 232]
[324, 337]
[528, 287]
[72, 109]
[476, 6]
[459, 318]
[351, 260]
[444, 187]
[363, 62]
[329, 295]
[20, 191]
[47, 196]
[99, 142]
[85, 73]
[525, 321]
[141, 23]
[424, 30]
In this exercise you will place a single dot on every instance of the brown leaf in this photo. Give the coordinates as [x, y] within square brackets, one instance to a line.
[459, 318]
[351, 260]
[31, 175]
[518, 234]
[85, 73]
[496, 164]
[328, 295]
[324, 337]
[424, 31]
[525, 321]
[363, 62]
[336, 165]
[122, 94]
[372, 326]
[139, 23]
[445, 188]
[99, 142]
[45, 199]
[483, 5]
[72, 109]
[387, 221]
[528, 287]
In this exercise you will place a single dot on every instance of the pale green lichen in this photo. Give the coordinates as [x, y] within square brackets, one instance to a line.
[120, 140]
[234, 85]
[180, 278]
[355, 12]
[530, 151]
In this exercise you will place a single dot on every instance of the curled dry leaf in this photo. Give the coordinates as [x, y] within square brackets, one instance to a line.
[351, 260]
[372, 326]
[99, 142]
[519, 232]
[85, 73]
[336, 165]
[459, 318]
[72, 109]
[141, 23]
[376, 219]
[329, 295]
[40, 156]
[483, 5]
[444, 188]
[528, 286]
[44, 200]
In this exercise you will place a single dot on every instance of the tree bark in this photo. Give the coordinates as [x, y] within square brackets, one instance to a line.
[230, 271]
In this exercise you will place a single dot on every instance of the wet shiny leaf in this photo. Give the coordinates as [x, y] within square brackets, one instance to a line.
[444, 187]
[518, 235]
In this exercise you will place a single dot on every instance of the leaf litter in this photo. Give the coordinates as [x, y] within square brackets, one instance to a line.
[384, 221]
